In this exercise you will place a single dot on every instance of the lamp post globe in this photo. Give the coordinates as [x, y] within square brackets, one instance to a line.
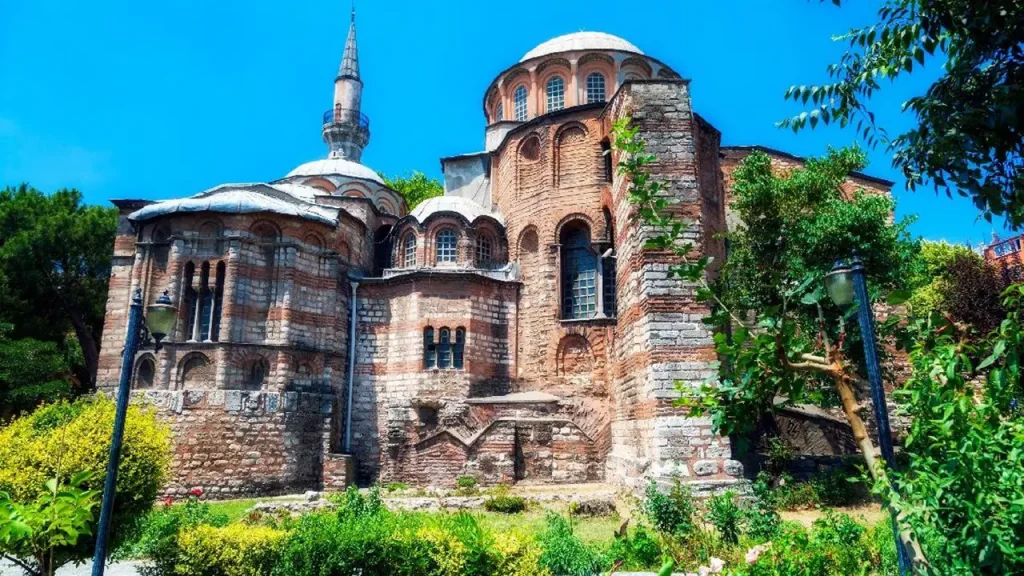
[839, 285]
[160, 317]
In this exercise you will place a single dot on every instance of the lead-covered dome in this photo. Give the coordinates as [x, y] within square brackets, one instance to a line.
[464, 207]
[581, 41]
[338, 166]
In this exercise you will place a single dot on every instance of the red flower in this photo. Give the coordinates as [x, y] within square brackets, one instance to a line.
[168, 501]
[197, 492]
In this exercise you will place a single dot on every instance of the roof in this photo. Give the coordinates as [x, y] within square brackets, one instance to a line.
[462, 206]
[244, 199]
[581, 41]
[339, 166]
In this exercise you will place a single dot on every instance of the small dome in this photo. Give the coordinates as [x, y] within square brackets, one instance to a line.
[463, 206]
[338, 166]
[581, 41]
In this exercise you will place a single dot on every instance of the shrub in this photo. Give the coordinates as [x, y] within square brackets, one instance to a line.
[563, 553]
[762, 519]
[836, 545]
[465, 482]
[638, 550]
[235, 550]
[396, 486]
[352, 502]
[75, 437]
[670, 513]
[505, 504]
[149, 535]
[725, 515]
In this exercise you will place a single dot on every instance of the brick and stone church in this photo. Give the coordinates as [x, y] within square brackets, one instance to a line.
[514, 329]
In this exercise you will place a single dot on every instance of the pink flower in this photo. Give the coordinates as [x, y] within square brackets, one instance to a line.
[703, 571]
[168, 501]
[754, 553]
[717, 564]
[197, 492]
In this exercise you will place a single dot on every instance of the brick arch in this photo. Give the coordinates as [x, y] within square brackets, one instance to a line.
[574, 218]
[638, 63]
[550, 64]
[528, 241]
[321, 183]
[529, 161]
[571, 166]
[313, 239]
[265, 229]
[195, 371]
[574, 356]
[667, 73]
[595, 57]
[356, 190]
[142, 380]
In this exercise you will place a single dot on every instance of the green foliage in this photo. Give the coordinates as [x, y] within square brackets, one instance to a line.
[672, 512]
[762, 519]
[44, 534]
[963, 487]
[396, 486]
[465, 482]
[54, 268]
[75, 436]
[636, 550]
[834, 488]
[563, 553]
[836, 545]
[726, 515]
[31, 372]
[505, 503]
[150, 535]
[969, 125]
[352, 502]
[415, 188]
[234, 550]
[795, 226]
[956, 281]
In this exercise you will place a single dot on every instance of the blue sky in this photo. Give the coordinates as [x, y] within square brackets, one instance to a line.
[162, 99]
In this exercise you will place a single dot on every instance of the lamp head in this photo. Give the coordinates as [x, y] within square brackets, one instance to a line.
[839, 285]
[160, 317]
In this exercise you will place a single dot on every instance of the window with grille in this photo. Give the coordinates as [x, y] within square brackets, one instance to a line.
[595, 88]
[444, 348]
[499, 113]
[458, 351]
[519, 100]
[556, 94]
[608, 286]
[429, 348]
[483, 251]
[409, 255]
[203, 298]
[579, 275]
[447, 246]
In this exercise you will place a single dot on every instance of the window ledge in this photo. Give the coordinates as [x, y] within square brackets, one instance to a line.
[599, 321]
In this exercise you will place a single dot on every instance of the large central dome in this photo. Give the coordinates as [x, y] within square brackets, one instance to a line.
[581, 41]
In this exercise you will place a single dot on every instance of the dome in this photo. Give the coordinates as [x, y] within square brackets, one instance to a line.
[462, 206]
[338, 166]
[581, 41]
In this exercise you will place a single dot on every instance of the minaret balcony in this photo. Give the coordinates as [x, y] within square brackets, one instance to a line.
[339, 115]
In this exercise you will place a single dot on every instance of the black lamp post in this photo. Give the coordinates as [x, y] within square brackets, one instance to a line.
[158, 323]
[847, 287]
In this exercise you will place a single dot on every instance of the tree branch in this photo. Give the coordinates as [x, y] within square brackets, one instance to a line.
[26, 567]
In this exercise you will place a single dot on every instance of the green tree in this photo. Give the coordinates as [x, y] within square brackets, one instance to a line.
[55, 255]
[957, 282]
[415, 188]
[969, 134]
[31, 371]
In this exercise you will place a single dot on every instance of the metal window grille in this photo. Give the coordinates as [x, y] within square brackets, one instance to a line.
[499, 113]
[444, 349]
[556, 94]
[519, 99]
[579, 277]
[595, 88]
[429, 348]
[483, 252]
[409, 258]
[447, 246]
[458, 352]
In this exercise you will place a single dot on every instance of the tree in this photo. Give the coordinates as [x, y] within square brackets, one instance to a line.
[958, 283]
[969, 135]
[415, 188]
[31, 371]
[55, 255]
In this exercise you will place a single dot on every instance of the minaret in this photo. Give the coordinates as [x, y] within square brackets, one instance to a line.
[347, 130]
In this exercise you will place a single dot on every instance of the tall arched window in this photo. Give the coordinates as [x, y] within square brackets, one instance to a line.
[144, 372]
[484, 251]
[429, 348]
[458, 351]
[255, 374]
[409, 251]
[203, 302]
[595, 87]
[519, 100]
[556, 94]
[444, 348]
[579, 274]
[499, 113]
[446, 245]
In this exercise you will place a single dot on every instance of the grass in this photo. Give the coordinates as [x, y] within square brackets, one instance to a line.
[595, 530]
[235, 509]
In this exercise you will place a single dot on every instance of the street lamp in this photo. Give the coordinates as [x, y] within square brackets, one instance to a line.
[847, 287]
[158, 323]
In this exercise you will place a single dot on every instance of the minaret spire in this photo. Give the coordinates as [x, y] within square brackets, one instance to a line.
[346, 129]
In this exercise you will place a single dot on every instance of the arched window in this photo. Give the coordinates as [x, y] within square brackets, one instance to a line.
[484, 251]
[446, 247]
[595, 87]
[382, 244]
[519, 99]
[144, 373]
[255, 374]
[189, 299]
[499, 113]
[458, 351]
[203, 302]
[579, 274]
[409, 251]
[556, 94]
[429, 348]
[609, 302]
[444, 348]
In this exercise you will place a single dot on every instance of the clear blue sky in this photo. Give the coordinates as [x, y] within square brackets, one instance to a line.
[163, 99]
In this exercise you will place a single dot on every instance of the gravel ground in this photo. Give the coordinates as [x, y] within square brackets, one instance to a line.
[116, 569]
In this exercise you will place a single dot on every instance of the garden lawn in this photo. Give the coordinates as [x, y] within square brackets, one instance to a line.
[598, 530]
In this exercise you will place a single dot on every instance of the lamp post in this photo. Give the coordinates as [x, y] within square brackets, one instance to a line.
[158, 322]
[847, 287]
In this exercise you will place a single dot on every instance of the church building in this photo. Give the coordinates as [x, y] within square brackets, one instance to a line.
[514, 329]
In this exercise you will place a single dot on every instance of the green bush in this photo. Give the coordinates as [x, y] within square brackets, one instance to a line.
[563, 553]
[725, 515]
[149, 535]
[637, 550]
[762, 519]
[836, 545]
[670, 513]
[505, 504]
[352, 502]
[465, 482]
[235, 550]
[396, 486]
